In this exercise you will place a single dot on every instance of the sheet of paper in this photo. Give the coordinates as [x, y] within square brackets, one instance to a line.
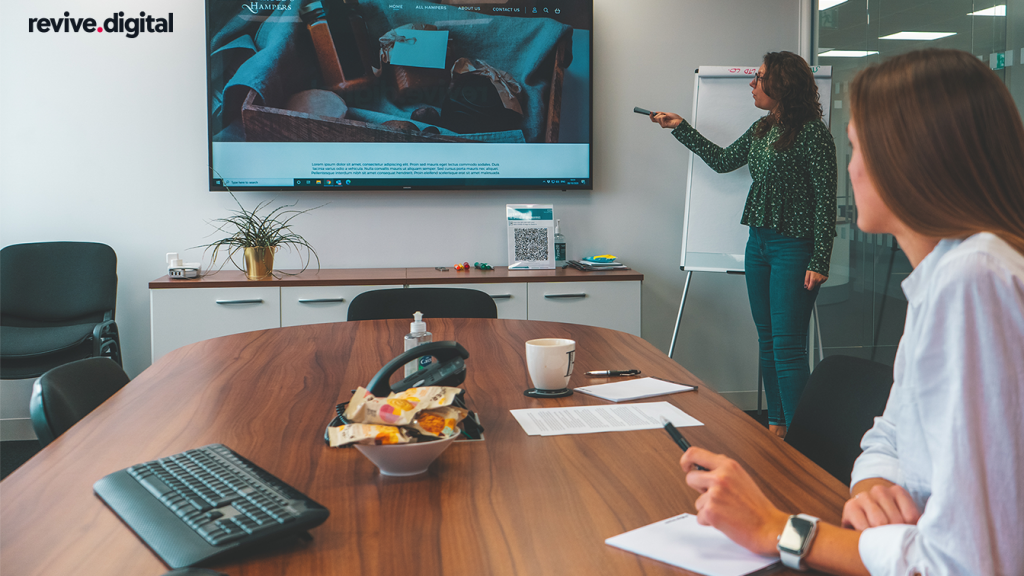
[633, 389]
[591, 419]
[423, 48]
[681, 541]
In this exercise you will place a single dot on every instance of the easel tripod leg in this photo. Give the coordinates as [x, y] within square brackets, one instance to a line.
[679, 317]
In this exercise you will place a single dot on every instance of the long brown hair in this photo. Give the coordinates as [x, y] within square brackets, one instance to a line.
[943, 143]
[789, 81]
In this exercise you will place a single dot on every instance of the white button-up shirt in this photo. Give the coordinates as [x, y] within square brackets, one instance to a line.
[952, 433]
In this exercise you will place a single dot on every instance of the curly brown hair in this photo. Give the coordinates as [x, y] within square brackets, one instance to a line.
[789, 81]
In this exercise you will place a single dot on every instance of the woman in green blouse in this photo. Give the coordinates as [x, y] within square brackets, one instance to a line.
[791, 211]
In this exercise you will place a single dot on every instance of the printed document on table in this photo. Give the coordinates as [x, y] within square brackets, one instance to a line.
[634, 389]
[590, 419]
[681, 541]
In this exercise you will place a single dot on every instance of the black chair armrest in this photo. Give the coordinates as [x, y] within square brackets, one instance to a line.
[106, 341]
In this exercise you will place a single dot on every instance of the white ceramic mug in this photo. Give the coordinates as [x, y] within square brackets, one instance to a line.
[550, 362]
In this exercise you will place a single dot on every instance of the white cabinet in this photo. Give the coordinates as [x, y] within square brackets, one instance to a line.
[180, 317]
[187, 311]
[614, 305]
[301, 305]
[510, 297]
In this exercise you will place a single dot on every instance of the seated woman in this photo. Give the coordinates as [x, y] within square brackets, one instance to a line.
[938, 162]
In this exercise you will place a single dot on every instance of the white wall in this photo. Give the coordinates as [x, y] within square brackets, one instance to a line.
[104, 139]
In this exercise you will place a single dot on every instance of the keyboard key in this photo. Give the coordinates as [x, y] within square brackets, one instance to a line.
[186, 511]
[155, 486]
[227, 538]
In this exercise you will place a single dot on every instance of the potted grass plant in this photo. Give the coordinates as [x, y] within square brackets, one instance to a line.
[258, 234]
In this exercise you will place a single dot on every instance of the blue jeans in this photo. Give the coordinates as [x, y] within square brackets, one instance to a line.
[775, 266]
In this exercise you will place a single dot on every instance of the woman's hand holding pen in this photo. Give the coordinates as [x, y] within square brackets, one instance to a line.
[666, 119]
[732, 502]
[812, 279]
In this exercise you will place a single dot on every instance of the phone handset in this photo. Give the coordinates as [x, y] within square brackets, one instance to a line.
[449, 370]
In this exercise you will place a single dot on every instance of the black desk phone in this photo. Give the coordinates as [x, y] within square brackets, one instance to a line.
[448, 370]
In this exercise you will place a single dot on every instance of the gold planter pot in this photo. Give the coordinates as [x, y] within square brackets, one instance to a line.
[259, 262]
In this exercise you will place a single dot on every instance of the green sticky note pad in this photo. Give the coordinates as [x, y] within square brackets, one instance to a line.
[421, 48]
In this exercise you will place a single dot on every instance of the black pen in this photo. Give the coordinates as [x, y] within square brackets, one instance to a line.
[677, 437]
[631, 372]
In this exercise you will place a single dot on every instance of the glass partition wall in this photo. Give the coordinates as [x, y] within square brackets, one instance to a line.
[862, 308]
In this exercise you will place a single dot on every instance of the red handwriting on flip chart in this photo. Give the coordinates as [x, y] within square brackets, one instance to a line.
[733, 70]
[750, 71]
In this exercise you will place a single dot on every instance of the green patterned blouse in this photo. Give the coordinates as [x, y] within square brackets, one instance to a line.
[794, 191]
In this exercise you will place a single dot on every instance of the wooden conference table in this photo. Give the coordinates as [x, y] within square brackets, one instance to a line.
[510, 504]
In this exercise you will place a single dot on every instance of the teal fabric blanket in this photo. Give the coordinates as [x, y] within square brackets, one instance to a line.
[276, 59]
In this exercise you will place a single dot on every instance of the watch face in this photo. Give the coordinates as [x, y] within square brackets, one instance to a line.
[795, 534]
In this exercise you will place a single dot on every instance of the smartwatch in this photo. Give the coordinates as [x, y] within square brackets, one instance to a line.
[796, 539]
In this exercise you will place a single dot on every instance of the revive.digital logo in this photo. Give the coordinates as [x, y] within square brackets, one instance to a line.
[130, 27]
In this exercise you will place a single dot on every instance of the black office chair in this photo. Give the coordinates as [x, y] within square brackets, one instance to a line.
[64, 395]
[57, 303]
[433, 302]
[842, 398]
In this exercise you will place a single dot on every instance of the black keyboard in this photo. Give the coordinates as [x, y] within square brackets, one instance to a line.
[206, 503]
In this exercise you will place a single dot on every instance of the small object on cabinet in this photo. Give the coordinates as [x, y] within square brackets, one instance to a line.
[180, 270]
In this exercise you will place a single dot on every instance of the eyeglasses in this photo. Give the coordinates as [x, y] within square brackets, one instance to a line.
[758, 77]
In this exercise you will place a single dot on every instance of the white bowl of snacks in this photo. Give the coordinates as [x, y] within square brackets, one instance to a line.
[404, 459]
[403, 433]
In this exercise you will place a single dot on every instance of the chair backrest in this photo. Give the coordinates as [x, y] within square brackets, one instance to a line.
[842, 398]
[433, 302]
[49, 283]
[65, 394]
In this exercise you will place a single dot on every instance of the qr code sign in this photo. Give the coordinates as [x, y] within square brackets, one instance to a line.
[531, 244]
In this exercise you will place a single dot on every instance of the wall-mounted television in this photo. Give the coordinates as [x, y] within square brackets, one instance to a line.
[399, 94]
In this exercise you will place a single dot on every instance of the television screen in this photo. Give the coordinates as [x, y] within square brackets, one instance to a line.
[395, 94]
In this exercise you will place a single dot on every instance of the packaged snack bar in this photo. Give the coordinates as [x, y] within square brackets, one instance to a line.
[439, 422]
[354, 410]
[398, 409]
[366, 434]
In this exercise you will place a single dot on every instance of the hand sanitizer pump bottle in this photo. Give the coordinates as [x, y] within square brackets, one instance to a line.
[559, 244]
[417, 335]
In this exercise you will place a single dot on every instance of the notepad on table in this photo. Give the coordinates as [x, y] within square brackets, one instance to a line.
[681, 541]
[634, 389]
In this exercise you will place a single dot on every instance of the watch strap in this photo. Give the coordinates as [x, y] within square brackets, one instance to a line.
[795, 561]
[790, 560]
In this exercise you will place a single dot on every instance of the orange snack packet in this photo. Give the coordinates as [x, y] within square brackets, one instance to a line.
[439, 422]
[366, 434]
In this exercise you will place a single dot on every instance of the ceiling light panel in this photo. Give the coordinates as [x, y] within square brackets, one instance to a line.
[826, 4]
[917, 35]
[993, 11]
[847, 53]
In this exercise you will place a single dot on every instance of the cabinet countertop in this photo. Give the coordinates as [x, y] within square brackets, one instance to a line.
[381, 276]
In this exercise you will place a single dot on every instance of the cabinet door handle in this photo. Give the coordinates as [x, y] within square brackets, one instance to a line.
[319, 300]
[249, 301]
[575, 295]
[501, 296]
